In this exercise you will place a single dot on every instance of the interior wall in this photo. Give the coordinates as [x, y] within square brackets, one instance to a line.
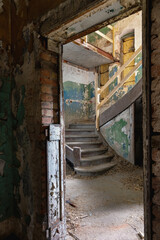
[119, 134]
[122, 141]
[79, 94]
[9, 164]
[153, 89]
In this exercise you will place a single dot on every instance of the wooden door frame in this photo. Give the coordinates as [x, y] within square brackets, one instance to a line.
[146, 96]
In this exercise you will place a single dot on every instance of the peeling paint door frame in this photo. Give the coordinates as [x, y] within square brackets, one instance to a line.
[56, 170]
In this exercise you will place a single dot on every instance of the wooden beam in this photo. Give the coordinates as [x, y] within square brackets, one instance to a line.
[113, 36]
[120, 84]
[110, 27]
[97, 50]
[122, 104]
[104, 36]
[97, 96]
[121, 69]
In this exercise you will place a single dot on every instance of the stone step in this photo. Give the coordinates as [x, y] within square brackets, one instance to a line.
[85, 144]
[93, 151]
[82, 126]
[79, 131]
[94, 170]
[96, 160]
[81, 138]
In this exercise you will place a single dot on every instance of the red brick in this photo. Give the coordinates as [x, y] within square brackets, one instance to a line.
[46, 89]
[47, 112]
[45, 56]
[48, 105]
[45, 73]
[48, 81]
[48, 57]
[155, 154]
[46, 120]
[155, 70]
[54, 60]
[46, 97]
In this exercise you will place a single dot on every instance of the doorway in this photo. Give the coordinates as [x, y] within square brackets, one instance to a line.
[81, 33]
[122, 199]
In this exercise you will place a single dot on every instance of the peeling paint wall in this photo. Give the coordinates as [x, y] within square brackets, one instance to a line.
[79, 94]
[127, 25]
[26, 106]
[119, 134]
[23, 164]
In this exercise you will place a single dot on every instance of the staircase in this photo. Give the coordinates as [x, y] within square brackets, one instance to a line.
[86, 151]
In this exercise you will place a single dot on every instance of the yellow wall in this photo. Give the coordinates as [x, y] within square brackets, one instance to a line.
[128, 51]
[104, 77]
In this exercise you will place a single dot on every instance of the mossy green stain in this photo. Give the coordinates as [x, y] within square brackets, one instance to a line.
[115, 134]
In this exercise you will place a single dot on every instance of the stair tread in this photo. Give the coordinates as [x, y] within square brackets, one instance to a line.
[80, 136]
[95, 168]
[93, 150]
[92, 158]
[80, 130]
[74, 143]
[89, 123]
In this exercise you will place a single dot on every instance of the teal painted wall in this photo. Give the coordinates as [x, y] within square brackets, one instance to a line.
[118, 133]
[79, 95]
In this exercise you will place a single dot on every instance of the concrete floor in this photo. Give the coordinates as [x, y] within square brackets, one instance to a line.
[106, 209]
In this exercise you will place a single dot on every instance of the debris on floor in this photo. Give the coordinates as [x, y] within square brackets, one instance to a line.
[107, 205]
[133, 177]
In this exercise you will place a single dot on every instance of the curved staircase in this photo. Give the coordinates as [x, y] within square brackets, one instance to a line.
[86, 151]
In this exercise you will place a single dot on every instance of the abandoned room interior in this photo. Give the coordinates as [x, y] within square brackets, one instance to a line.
[79, 119]
[88, 64]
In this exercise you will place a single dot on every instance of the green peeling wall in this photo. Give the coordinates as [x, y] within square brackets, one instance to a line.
[9, 164]
[79, 94]
[119, 134]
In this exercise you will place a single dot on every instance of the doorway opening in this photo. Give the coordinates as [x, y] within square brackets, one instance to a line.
[102, 80]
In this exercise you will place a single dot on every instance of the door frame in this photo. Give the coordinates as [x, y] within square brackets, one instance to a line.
[146, 98]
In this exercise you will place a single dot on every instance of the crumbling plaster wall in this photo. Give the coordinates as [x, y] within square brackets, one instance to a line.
[22, 139]
[119, 134]
[79, 94]
[26, 102]
[130, 24]
[9, 164]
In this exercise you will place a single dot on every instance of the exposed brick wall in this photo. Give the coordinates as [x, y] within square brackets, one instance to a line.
[49, 96]
[49, 88]
[155, 118]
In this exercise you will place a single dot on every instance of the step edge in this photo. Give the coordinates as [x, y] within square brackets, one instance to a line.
[94, 158]
[94, 168]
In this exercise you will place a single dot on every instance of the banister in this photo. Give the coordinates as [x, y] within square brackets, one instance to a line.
[120, 70]
[120, 84]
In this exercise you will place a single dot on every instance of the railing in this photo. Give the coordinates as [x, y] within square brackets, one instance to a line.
[120, 84]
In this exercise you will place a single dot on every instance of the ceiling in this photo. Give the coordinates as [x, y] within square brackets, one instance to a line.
[84, 57]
